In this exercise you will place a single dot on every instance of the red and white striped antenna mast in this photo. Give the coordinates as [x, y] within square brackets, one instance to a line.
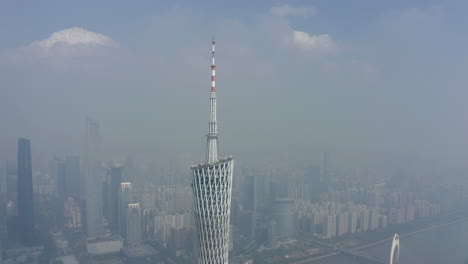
[213, 67]
[212, 136]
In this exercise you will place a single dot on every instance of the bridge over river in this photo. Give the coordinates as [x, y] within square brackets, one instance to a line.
[339, 250]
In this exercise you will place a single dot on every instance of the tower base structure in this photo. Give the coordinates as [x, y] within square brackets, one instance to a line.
[212, 186]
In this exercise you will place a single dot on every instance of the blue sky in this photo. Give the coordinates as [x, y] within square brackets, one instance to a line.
[23, 21]
[349, 76]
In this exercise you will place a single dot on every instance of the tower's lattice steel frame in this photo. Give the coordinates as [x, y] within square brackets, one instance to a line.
[212, 185]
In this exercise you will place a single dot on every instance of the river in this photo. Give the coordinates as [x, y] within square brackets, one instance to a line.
[446, 244]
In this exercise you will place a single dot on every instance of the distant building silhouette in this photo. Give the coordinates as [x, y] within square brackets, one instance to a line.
[283, 214]
[125, 198]
[272, 233]
[93, 180]
[25, 207]
[134, 225]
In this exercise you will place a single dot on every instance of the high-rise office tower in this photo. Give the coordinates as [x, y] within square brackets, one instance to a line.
[93, 180]
[133, 224]
[283, 213]
[25, 194]
[212, 185]
[125, 198]
[352, 221]
[272, 233]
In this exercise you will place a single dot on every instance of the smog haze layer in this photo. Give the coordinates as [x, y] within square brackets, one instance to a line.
[372, 82]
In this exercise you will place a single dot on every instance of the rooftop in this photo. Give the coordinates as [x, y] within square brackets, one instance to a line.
[206, 165]
[140, 251]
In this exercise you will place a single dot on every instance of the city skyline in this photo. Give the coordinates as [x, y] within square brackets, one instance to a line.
[346, 121]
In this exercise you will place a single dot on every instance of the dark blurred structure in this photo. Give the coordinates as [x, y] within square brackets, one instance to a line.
[25, 194]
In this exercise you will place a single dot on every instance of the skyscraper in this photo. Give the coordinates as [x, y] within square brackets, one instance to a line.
[25, 194]
[134, 225]
[212, 185]
[93, 180]
[283, 213]
[125, 198]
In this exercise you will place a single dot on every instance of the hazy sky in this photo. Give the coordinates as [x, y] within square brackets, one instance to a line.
[294, 78]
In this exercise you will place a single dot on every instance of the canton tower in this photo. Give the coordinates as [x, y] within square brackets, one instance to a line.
[211, 185]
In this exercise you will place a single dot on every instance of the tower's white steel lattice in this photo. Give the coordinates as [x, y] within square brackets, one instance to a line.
[212, 184]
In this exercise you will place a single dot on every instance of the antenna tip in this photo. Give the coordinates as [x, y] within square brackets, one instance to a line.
[213, 40]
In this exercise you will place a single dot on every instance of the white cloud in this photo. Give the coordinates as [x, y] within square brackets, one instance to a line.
[286, 10]
[323, 42]
[74, 41]
[74, 36]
